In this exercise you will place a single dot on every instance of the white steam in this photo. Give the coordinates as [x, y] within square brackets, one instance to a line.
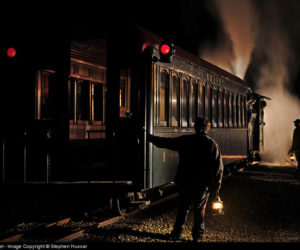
[234, 53]
[255, 33]
[280, 113]
[273, 81]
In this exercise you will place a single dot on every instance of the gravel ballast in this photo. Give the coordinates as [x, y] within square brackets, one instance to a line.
[260, 205]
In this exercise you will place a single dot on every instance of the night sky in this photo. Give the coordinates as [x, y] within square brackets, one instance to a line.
[195, 25]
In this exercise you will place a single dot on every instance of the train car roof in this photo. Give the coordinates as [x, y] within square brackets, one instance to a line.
[152, 39]
[94, 50]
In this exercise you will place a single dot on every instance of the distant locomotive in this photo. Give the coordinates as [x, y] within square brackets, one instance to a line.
[78, 110]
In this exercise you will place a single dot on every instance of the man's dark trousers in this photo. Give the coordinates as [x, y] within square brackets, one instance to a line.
[187, 197]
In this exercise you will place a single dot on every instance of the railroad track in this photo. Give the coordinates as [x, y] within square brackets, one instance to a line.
[47, 226]
[53, 231]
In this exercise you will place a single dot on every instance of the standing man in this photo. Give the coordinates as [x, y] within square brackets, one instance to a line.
[199, 173]
[296, 145]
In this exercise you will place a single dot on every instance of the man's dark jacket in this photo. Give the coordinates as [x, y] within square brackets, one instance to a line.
[200, 161]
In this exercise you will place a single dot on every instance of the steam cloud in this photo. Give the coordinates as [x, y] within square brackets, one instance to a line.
[239, 20]
[256, 35]
[274, 80]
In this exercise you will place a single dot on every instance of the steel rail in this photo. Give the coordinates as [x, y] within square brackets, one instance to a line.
[113, 220]
[19, 236]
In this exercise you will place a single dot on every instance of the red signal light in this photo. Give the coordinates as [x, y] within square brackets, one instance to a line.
[165, 49]
[11, 52]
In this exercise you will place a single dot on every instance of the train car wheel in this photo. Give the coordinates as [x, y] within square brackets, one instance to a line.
[116, 207]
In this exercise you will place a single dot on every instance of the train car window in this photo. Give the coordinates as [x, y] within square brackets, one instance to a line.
[175, 104]
[238, 111]
[208, 102]
[83, 100]
[225, 106]
[194, 101]
[246, 117]
[201, 105]
[122, 92]
[45, 95]
[234, 110]
[97, 102]
[220, 108]
[230, 123]
[243, 111]
[214, 108]
[185, 102]
[125, 85]
[163, 98]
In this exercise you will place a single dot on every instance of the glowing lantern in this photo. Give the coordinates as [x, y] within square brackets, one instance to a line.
[217, 206]
[292, 157]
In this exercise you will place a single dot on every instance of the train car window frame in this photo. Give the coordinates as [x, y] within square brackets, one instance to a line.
[44, 95]
[83, 103]
[208, 102]
[175, 100]
[238, 111]
[226, 107]
[72, 100]
[74, 103]
[245, 112]
[201, 99]
[214, 107]
[230, 111]
[184, 100]
[97, 111]
[242, 111]
[94, 75]
[194, 94]
[125, 88]
[234, 113]
[220, 108]
[165, 106]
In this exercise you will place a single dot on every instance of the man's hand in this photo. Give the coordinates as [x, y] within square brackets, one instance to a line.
[214, 192]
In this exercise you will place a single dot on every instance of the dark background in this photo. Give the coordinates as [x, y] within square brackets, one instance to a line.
[190, 23]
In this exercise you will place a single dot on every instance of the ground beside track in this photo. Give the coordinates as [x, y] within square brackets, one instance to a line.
[261, 204]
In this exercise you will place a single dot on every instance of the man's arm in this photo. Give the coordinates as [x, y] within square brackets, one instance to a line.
[163, 142]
